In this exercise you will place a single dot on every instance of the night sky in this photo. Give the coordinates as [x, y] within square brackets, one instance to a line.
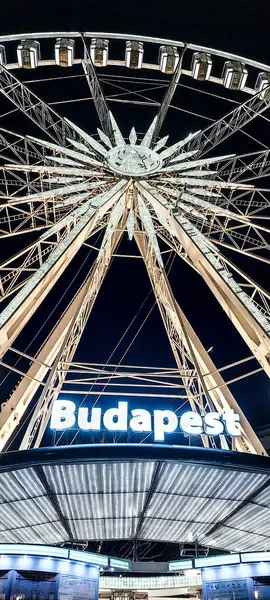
[236, 26]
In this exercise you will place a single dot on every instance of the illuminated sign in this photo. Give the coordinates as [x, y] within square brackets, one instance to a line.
[66, 415]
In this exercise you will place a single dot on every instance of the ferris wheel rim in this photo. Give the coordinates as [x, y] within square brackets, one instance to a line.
[163, 42]
[132, 37]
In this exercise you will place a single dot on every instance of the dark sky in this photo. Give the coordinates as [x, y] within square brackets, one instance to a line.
[236, 26]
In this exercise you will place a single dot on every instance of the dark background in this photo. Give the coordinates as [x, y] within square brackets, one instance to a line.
[239, 27]
[235, 25]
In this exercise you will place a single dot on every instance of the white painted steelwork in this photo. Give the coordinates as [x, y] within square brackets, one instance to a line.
[78, 183]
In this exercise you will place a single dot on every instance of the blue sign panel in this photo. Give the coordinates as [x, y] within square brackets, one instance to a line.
[35, 587]
[237, 589]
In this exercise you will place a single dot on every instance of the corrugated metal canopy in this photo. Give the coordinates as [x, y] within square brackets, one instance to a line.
[115, 492]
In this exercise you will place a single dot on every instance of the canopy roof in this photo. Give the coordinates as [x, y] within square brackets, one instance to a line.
[113, 492]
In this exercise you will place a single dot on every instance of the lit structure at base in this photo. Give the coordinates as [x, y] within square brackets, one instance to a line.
[136, 492]
[63, 186]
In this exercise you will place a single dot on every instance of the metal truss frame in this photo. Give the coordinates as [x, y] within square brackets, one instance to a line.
[253, 164]
[209, 390]
[259, 296]
[33, 272]
[167, 98]
[70, 336]
[18, 148]
[19, 218]
[24, 304]
[97, 93]
[36, 109]
[203, 383]
[233, 121]
[233, 300]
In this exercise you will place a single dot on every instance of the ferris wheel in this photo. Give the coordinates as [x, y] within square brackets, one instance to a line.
[195, 192]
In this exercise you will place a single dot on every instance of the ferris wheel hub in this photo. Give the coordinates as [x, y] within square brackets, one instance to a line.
[133, 160]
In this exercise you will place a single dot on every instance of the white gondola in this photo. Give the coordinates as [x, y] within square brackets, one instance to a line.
[3, 58]
[262, 85]
[99, 52]
[234, 75]
[201, 66]
[28, 53]
[168, 59]
[134, 55]
[64, 52]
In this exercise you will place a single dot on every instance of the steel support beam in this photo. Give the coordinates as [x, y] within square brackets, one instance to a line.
[18, 312]
[245, 315]
[13, 410]
[18, 148]
[228, 124]
[167, 98]
[220, 394]
[196, 390]
[97, 93]
[36, 109]
[215, 395]
[80, 311]
[252, 166]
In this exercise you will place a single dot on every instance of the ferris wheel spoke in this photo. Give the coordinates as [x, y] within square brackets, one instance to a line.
[73, 209]
[217, 223]
[69, 180]
[188, 350]
[18, 312]
[251, 166]
[227, 125]
[51, 194]
[180, 193]
[41, 365]
[17, 220]
[177, 165]
[12, 183]
[26, 153]
[54, 190]
[56, 170]
[235, 239]
[15, 271]
[229, 227]
[97, 93]
[19, 148]
[71, 332]
[256, 292]
[167, 99]
[215, 214]
[248, 319]
[33, 107]
[248, 202]
[80, 158]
